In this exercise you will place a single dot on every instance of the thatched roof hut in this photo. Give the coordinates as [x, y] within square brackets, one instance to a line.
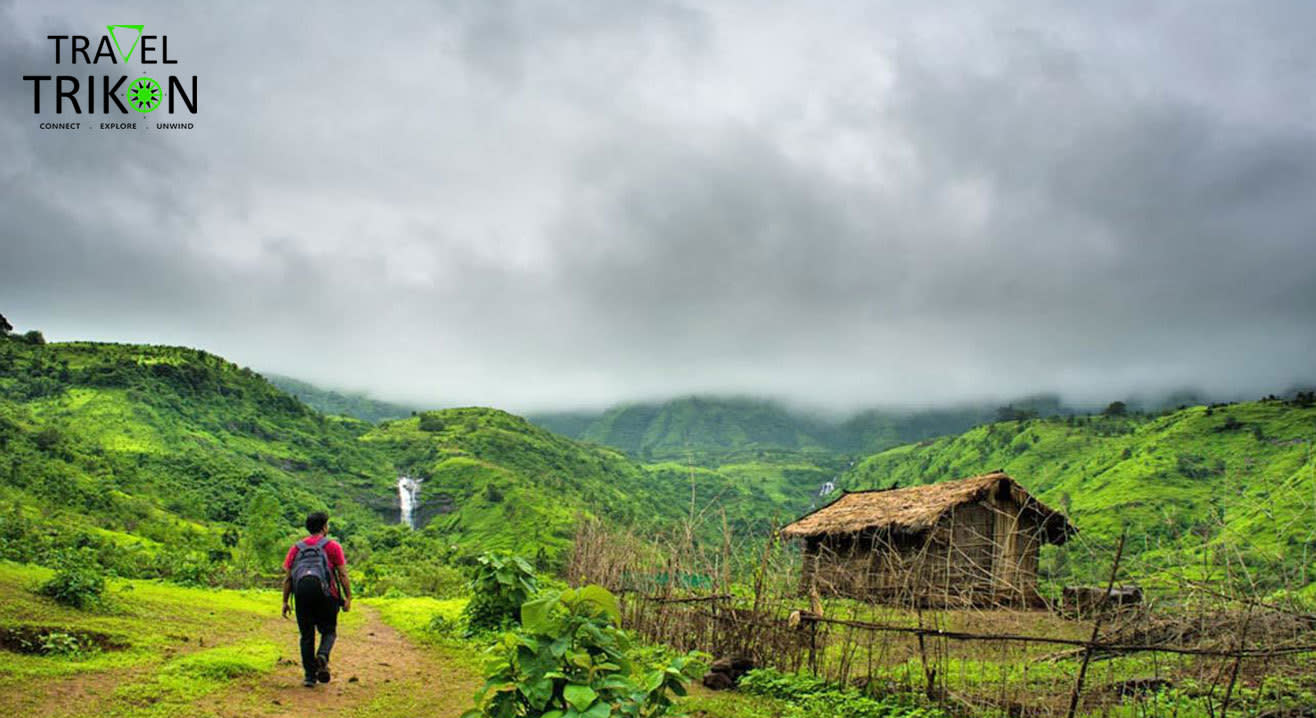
[973, 540]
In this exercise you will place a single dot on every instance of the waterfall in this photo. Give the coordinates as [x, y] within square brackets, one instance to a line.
[408, 491]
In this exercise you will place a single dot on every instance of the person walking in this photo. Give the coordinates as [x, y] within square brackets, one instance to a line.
[316, 574]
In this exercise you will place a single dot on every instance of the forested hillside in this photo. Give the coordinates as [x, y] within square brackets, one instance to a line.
[1239, 476]
[163, 458]
[168, 461]
[496, 479]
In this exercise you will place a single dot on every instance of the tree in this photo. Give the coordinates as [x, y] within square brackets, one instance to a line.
[34, 337]
[430, 421]
[1116, 408]
[265, 531]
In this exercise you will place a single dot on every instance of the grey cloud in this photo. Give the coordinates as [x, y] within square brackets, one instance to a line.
[537, 206]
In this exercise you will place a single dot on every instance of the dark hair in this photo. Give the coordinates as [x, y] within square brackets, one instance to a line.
[315, 522]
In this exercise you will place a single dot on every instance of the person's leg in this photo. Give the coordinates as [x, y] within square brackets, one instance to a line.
[327, 623]
[307, 608]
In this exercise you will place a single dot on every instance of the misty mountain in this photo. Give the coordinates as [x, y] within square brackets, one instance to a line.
[328, 401]
[703, 424]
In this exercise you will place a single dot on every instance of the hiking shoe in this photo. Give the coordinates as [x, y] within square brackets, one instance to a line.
[322, 669]
[309, 682]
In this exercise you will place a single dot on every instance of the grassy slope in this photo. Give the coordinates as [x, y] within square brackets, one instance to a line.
[168, 444]
[172, 650]
[1240, 473]
[517, 486]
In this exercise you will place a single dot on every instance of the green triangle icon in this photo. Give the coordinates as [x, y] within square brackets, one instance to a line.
[115, 37]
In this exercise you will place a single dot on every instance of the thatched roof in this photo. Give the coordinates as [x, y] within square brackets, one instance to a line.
[916, 509]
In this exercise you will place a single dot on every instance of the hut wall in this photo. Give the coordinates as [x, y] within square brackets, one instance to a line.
[1018, 536]
[896, 566]
[839, 565]
[963, 556]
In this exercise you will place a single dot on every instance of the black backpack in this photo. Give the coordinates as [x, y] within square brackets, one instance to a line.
[311, 561]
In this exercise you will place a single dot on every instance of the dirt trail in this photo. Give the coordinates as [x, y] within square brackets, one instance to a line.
[377, 672]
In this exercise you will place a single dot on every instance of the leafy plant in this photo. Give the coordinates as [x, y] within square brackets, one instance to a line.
[57, 643]
[500, 583]
[570, 660]
[815, 698]
[79, 582]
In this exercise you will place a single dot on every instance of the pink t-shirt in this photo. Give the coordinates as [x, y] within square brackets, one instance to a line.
[332, 551]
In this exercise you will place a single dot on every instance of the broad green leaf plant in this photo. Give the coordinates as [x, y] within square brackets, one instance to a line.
[569, 660]
[499, 585]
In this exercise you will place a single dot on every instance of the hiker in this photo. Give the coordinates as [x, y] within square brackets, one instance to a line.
[316, 569]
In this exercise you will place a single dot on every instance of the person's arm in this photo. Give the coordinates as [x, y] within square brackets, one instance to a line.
[345, 586]
[287, 590]
[287, 578]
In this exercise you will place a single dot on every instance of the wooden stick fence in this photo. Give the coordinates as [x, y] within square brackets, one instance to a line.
[1092, 645]
[756, 617]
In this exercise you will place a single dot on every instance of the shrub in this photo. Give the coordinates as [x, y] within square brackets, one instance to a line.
[570, 659]
[500, 583]
[444, 627]
[431, 422]
[78, 582]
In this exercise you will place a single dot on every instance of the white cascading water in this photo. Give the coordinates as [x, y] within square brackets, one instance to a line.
[408, 490]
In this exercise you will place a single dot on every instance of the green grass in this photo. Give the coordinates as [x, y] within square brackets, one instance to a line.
[414, 616]
[732, 704]
[148, 618]
[181, 681]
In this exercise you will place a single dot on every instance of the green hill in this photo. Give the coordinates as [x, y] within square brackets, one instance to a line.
[495, 479]
[138, 448]
[1238, 478]
[327, 401]
[171, 461]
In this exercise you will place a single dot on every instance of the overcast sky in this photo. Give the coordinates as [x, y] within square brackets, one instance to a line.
[539, 205]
